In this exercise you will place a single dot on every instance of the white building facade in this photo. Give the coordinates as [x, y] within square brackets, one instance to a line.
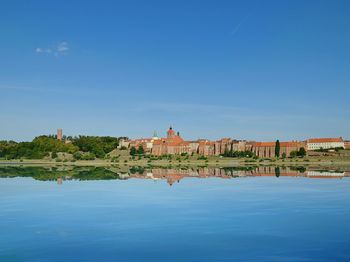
[325, 143]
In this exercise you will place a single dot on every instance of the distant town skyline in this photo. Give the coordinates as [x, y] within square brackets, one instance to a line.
[255, 70]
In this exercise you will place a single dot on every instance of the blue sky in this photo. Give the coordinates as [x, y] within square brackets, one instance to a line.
[249, 69]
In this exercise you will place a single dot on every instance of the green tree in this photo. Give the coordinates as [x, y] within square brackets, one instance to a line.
[140, 150]
[294, 154]
[277, 148]
[54, 155]
[88, 156]
[284, 155]
[133, 151]
[100, 146]
[302, 152]
[277, 171]
[77, 156]
[226, 152]
[40, 147]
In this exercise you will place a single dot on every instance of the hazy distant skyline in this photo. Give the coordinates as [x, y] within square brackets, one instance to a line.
[257, 70]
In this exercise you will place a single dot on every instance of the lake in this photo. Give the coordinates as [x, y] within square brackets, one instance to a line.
[174, 214]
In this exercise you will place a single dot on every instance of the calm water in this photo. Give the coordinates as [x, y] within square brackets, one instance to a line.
[245, 218]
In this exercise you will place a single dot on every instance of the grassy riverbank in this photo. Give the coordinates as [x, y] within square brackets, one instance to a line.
[122, 158]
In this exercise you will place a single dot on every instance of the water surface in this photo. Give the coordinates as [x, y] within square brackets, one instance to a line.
[143, 218]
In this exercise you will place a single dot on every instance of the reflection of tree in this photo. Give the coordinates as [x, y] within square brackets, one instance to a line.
[300, 169]
[49, 174]
[60, 173]
[277, 171]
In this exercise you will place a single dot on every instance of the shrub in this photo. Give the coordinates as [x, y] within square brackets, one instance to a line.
[89, 156]
[53, 155]
[77, 156]
[133, 151]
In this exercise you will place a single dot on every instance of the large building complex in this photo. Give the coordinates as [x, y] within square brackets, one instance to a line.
[173, 144]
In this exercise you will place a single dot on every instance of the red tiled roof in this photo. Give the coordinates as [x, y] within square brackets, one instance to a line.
[174, 141]
[202, 143]
[273, 144]
[325, 140]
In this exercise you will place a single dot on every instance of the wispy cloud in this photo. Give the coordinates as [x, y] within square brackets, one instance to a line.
[63, 47]
[42, 50]
[60, 49]
[243, 20]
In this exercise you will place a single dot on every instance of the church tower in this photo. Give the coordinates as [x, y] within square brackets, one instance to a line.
[59, 134]
[170, 133]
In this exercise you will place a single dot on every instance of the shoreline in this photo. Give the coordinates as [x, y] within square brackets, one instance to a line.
[214, 162]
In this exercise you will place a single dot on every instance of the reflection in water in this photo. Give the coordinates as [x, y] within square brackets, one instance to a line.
[59, 180]
[171, 175]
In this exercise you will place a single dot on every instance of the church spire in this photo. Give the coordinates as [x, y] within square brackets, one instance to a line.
[155, 133]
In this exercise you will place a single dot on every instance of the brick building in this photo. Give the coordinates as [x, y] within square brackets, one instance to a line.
[267, 149]
[171, 145]
[221, 145]
[206, 148]
[59, 134]
[347, 144]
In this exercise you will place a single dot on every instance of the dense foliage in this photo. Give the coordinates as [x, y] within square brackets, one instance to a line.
[82, 147]
[300, 153]
[97, 145]
[230, 153]
[139, 151]
[37, 149]
[48, 174]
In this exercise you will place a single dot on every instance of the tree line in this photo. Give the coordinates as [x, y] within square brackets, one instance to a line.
[81, 147]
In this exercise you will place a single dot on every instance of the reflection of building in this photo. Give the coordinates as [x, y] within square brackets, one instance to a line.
[59, 134]
[275, 170]
[325, 143]
[267, 149]
[172, 175]
[325, 174]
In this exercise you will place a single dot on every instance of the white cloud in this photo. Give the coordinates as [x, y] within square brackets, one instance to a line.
[57, 50]
[62, 47]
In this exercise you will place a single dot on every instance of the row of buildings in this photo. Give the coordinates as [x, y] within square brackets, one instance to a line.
[173, 143]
